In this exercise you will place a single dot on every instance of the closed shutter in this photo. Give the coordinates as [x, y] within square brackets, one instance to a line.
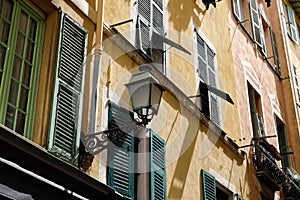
[208, 186]
[275, 51]
[158, 166]
[121, 153]
[255, 22]
[68, 93]
[292, 24]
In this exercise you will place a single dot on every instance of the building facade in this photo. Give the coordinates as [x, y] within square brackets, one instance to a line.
[226, 127]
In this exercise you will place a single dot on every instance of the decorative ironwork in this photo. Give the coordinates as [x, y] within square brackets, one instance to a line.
[97, 142]
[266, 166]
[85, 159]
[291, 188]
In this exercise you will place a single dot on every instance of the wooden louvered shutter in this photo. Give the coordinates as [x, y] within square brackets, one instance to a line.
[144, 25]
[201, 51]
[238, 197]
[68, 91]
[157, 16]
[275, 51]
[121, 153]
[158, 165]
[292, 24]
[208, 186]
[255, 21]
[237, 9]
[213, 99]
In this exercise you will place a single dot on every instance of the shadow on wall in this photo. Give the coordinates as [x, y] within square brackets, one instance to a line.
[183, 11]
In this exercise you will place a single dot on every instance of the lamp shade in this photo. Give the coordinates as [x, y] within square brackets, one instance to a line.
[145, 94]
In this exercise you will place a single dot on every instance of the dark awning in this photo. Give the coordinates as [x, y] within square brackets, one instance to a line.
[30, 156]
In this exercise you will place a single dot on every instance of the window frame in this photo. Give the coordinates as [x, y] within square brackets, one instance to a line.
[7, 77]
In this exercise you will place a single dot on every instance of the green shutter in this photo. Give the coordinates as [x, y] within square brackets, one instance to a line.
[68, 93]
[158, 166]
[292, 24]
[283, 145]
[208, 186]
[121, 153]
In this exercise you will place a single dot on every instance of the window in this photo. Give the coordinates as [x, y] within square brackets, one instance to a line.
[256, 112]
[213, 191]
[257, 28]
[291, 23]
[21, 36]
[121, 158]
[207, 74]
[296, 84]
[283, 142]
[150, 18]
[65, 125]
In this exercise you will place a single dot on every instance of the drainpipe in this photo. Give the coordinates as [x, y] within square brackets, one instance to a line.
[98, 53]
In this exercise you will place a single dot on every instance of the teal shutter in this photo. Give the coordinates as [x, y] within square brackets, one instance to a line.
[68, 91]
[238, 197]
[121, 153]
[158, 166]
[208, 186]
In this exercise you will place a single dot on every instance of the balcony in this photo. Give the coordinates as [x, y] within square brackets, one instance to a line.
[291, 188]
[267, 170]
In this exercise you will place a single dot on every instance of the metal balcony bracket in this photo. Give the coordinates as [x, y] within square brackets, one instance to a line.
[95, 143]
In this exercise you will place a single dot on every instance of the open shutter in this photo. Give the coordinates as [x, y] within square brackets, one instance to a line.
[144, 25]
[208, 186]
[292, 23]
[283, 145]
[255, 22]
[121, 153]
[213, 99]
[275, 51]
[238, 197]
[237, 9]
[158, 166]
[157, 16]
[68, 91]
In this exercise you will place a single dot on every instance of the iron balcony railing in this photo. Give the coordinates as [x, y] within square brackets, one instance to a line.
[291, 188]
[266, 166]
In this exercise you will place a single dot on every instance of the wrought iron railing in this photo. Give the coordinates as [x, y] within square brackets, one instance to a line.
[266, 166]
[291, 188]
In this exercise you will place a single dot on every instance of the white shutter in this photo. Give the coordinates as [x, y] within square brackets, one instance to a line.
[255, 21]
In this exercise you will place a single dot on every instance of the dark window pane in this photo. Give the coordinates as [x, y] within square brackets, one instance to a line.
[2, 56]
[17, 68]
[32, 29]
[20, 44]
[13, 94]
[20, 123]
[10, 116]
[23, 22]
[23, 99]
[29, 51]
[27, 75]
[7, 11]
[4, 31]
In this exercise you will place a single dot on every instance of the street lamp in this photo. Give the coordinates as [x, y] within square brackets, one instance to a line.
[145, 94]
